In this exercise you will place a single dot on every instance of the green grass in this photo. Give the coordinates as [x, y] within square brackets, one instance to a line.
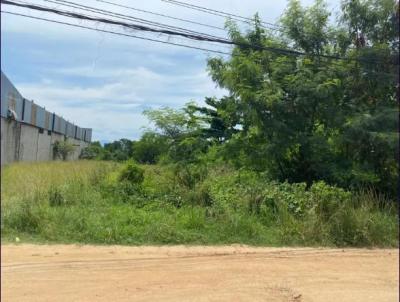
[86, 202]
[25, 179]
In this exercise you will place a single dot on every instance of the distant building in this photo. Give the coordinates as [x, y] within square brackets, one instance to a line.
[29, 131]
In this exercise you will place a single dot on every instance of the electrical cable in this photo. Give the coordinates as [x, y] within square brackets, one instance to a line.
[124, 17]
[223, 14]
[153, 40]
[185, 35]
[161, 15]
[113, 32]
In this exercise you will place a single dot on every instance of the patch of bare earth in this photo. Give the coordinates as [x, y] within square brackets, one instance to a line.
[180, 273]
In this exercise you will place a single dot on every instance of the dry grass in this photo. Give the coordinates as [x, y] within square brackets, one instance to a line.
[24, 179]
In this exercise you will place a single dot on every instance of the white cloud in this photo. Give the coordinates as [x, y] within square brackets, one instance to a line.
[114, 109]
[91, 71]
[103, 81]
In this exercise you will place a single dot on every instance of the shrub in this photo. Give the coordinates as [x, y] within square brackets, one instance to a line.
[125, 192]
[327, 199]
[199, 195]
[189, 175]
[292, 197]
[149, 148]
[93, 151]
[132, 173]
[62, 149]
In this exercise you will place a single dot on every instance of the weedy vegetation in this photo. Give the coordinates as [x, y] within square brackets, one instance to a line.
[107, 203]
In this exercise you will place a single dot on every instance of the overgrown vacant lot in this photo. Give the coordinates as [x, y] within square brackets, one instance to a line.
[109, 203]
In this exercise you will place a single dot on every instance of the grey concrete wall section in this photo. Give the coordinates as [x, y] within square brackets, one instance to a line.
[23, 142]
[10, 134]
[79, 146]
[83, 145]
[44, 148]
[28, 143]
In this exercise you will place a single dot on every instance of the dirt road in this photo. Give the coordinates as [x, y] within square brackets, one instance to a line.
[178, 273]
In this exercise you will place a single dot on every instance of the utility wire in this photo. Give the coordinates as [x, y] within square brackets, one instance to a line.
[226, 15]
[219, 13]
[157, 41]
[222, 14]
[113, 32]
[132, 26]
[185, 35]
[124, 17]
[161, 15]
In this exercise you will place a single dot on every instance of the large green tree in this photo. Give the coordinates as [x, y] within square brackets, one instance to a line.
[311, 116]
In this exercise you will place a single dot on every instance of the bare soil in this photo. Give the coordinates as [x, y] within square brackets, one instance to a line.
[181, 273]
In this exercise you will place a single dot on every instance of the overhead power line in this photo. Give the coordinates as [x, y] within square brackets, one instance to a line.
[132, 26]
[156, 40]
[125, 17]
[113, 32]
[228, 15]
[221, 13]
[181, 34]
[161, 15]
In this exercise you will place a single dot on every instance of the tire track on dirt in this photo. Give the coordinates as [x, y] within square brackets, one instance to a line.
[178, 273]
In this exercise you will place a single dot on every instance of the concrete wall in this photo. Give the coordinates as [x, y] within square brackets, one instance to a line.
[44, 148]
[23, 142]
[10, 135]
[26, 136]
[28, 143]
[79, 145]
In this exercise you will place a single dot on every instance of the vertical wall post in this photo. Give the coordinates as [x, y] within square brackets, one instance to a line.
[23, 110]
[54, 119]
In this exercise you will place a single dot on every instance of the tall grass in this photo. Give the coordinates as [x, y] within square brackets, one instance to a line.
[91, 202]
[23, 180]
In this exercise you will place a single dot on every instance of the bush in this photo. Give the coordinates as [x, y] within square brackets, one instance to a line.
[149, 148]
[200, 195]
[327, 199]
[188, 175]
[93, 151]
[132, 173]
[62, 149]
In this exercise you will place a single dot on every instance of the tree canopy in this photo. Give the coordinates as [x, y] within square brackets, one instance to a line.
[328, 114]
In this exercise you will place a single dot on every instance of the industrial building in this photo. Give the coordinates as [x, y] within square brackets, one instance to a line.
[29, 131]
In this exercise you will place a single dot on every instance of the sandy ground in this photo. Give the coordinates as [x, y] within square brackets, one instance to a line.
[179, 273]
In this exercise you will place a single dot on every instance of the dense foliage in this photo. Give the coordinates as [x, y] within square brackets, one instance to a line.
[62, 149]
[296, 118]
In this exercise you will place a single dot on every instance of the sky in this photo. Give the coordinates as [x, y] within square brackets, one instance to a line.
[104, 82]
